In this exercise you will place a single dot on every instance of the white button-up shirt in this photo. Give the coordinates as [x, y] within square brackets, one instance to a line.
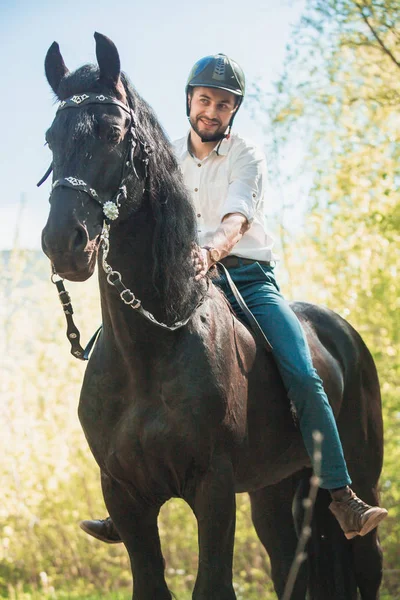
[231, 179]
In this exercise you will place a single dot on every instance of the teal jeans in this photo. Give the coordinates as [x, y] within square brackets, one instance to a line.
[303, 385]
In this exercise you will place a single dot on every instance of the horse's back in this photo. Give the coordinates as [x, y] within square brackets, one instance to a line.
[358, 410]
[350, 380]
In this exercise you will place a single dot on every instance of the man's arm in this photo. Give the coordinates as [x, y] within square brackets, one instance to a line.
[232, 228]
[246, 189]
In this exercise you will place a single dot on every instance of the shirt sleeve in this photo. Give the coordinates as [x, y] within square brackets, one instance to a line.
[247, 182]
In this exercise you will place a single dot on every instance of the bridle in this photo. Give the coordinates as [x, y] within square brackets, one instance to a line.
[137, 150]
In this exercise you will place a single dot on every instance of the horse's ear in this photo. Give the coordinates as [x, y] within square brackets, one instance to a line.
[108, 60]
[54, 67]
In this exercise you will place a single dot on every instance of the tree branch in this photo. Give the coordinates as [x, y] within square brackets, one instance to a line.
[376, 36]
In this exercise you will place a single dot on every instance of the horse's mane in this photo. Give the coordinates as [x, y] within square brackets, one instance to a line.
[175, 223]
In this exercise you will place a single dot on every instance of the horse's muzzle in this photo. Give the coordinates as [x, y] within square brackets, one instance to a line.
[73, 256]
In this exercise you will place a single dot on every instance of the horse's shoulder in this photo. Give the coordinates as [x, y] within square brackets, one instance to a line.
[220, 329]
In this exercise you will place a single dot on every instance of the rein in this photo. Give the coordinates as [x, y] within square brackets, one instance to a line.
[139, 150]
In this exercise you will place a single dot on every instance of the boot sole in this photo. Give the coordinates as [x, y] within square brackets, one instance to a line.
[97, 536]
[369, 525]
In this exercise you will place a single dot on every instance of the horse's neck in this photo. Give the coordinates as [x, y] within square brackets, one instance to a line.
[131, 255]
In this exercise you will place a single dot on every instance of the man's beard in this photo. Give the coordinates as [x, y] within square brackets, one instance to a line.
[204, 136]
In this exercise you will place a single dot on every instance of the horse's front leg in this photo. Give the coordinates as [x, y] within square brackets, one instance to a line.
[214, 507]
[136, 522]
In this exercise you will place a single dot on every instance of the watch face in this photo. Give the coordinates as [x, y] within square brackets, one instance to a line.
[215, 254]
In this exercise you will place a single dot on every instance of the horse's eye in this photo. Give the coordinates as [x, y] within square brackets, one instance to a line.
[114, 135]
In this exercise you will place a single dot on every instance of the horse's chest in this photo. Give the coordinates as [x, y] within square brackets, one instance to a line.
[151, 440]
[159, 428]
[155, 449]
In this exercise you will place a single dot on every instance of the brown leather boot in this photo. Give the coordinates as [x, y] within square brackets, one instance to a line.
[355, 517]
[102, 529]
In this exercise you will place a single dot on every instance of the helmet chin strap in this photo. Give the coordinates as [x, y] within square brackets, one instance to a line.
[217, 138]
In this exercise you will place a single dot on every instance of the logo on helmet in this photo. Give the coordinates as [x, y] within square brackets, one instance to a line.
[219, 70]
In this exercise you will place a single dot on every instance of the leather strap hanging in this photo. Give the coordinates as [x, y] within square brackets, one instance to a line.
[258, 332]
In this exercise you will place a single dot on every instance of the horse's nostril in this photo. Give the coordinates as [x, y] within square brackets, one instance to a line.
[79, 240]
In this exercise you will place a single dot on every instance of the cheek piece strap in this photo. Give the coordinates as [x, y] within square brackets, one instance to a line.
[137, 150]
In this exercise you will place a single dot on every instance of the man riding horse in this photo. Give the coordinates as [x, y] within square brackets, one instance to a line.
[226, 176]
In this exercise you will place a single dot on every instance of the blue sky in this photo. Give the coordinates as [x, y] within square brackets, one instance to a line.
[158, 42]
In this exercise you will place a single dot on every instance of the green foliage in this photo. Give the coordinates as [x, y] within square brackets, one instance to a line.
[343, 71]
[49, 480]
[19, 594]
[338, 101]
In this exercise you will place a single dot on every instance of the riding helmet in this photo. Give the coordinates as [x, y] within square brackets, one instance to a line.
[217, 71]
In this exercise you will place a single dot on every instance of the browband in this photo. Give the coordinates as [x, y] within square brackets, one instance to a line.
[79, 100]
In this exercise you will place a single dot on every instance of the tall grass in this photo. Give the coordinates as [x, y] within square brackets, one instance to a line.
[49, 480]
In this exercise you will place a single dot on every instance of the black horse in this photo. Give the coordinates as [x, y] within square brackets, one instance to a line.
[197, 410]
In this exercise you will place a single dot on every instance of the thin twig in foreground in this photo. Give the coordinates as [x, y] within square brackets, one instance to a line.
[308, 504]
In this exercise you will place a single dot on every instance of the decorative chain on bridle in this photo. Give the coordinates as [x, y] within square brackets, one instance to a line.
[137, 150]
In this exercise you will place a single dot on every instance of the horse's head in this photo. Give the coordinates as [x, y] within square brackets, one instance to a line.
[95, 147]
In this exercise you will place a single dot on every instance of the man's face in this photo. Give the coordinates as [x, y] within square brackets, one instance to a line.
[210, 112]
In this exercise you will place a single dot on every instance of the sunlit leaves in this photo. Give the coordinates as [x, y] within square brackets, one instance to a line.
[350, 244]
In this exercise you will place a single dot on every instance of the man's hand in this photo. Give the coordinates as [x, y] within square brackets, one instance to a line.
[201, 261]
[229, 232]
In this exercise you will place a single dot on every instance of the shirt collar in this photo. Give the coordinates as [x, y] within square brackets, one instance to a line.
[221, 148]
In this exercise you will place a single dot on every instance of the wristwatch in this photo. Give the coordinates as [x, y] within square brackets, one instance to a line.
[214, 253]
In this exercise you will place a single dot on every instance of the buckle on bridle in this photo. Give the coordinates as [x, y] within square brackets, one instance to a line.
[131, 299]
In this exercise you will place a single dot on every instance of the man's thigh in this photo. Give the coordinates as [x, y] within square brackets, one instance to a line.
[259, 290]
